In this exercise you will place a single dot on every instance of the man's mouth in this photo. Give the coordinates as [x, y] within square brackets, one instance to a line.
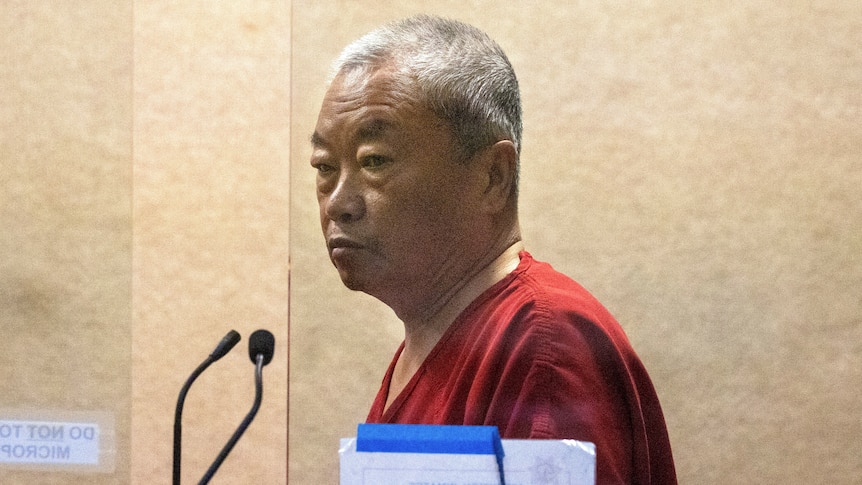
[336, 242]
[341, 245]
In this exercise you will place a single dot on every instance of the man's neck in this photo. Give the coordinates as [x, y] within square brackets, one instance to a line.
[421, 337]
[469, 290]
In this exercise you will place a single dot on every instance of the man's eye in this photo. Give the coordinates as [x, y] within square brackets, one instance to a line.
[373, 161]
[322, 168]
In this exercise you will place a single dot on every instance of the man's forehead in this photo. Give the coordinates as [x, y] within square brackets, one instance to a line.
[371, 105]
[368, 128]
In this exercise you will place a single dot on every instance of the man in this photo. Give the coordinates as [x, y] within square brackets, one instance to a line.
[417, 149]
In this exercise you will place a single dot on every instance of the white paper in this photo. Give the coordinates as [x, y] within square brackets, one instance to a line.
[526, 462]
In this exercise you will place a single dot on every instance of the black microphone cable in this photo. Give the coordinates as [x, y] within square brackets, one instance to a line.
[227, 343]
[261, 346]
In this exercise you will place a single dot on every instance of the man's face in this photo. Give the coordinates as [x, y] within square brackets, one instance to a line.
[396, 203]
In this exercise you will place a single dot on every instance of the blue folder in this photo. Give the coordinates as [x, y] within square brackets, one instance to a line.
[426, 438]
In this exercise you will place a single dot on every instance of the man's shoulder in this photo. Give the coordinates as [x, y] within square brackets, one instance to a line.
[551, 291]
[539, 302]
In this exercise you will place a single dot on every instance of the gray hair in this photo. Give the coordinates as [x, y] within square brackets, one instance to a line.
[460, 72]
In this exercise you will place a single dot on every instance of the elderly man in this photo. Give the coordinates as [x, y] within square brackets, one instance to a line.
[417, 150]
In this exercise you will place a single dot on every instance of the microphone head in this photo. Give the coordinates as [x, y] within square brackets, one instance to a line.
[227, 343]
[261, 342]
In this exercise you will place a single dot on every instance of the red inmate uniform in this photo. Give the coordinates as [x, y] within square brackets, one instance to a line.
[540, 358]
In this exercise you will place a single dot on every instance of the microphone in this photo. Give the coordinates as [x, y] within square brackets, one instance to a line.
[261, 343]
[261, 346]
[227, 343]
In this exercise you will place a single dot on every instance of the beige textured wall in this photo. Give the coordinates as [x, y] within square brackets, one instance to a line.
[144, 152]
[65, 225]
[697, 166]
[211, 232]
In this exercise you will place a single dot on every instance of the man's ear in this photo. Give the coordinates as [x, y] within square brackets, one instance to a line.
[500, 166]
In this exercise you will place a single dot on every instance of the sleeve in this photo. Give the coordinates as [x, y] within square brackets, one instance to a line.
[571, 388]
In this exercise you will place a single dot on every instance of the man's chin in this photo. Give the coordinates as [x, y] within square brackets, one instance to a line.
[351, 285]
[350, 280]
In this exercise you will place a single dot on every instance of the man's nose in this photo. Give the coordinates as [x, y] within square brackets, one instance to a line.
[346, 202]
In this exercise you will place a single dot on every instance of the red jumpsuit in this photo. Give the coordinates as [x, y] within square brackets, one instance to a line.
[540, 358]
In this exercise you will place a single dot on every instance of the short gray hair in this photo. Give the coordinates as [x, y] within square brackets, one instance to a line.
[460, 72]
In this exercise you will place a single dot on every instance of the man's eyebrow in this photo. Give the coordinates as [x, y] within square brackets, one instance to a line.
[316, 140]
[373, 129]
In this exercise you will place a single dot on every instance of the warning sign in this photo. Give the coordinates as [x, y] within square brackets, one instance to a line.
[57, 440]
[47, 442]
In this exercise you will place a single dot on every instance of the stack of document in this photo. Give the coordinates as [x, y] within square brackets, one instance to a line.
[460, 455]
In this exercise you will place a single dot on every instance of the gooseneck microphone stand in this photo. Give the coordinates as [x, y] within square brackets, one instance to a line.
[261, 346]
[227, 343]
[258, 396]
